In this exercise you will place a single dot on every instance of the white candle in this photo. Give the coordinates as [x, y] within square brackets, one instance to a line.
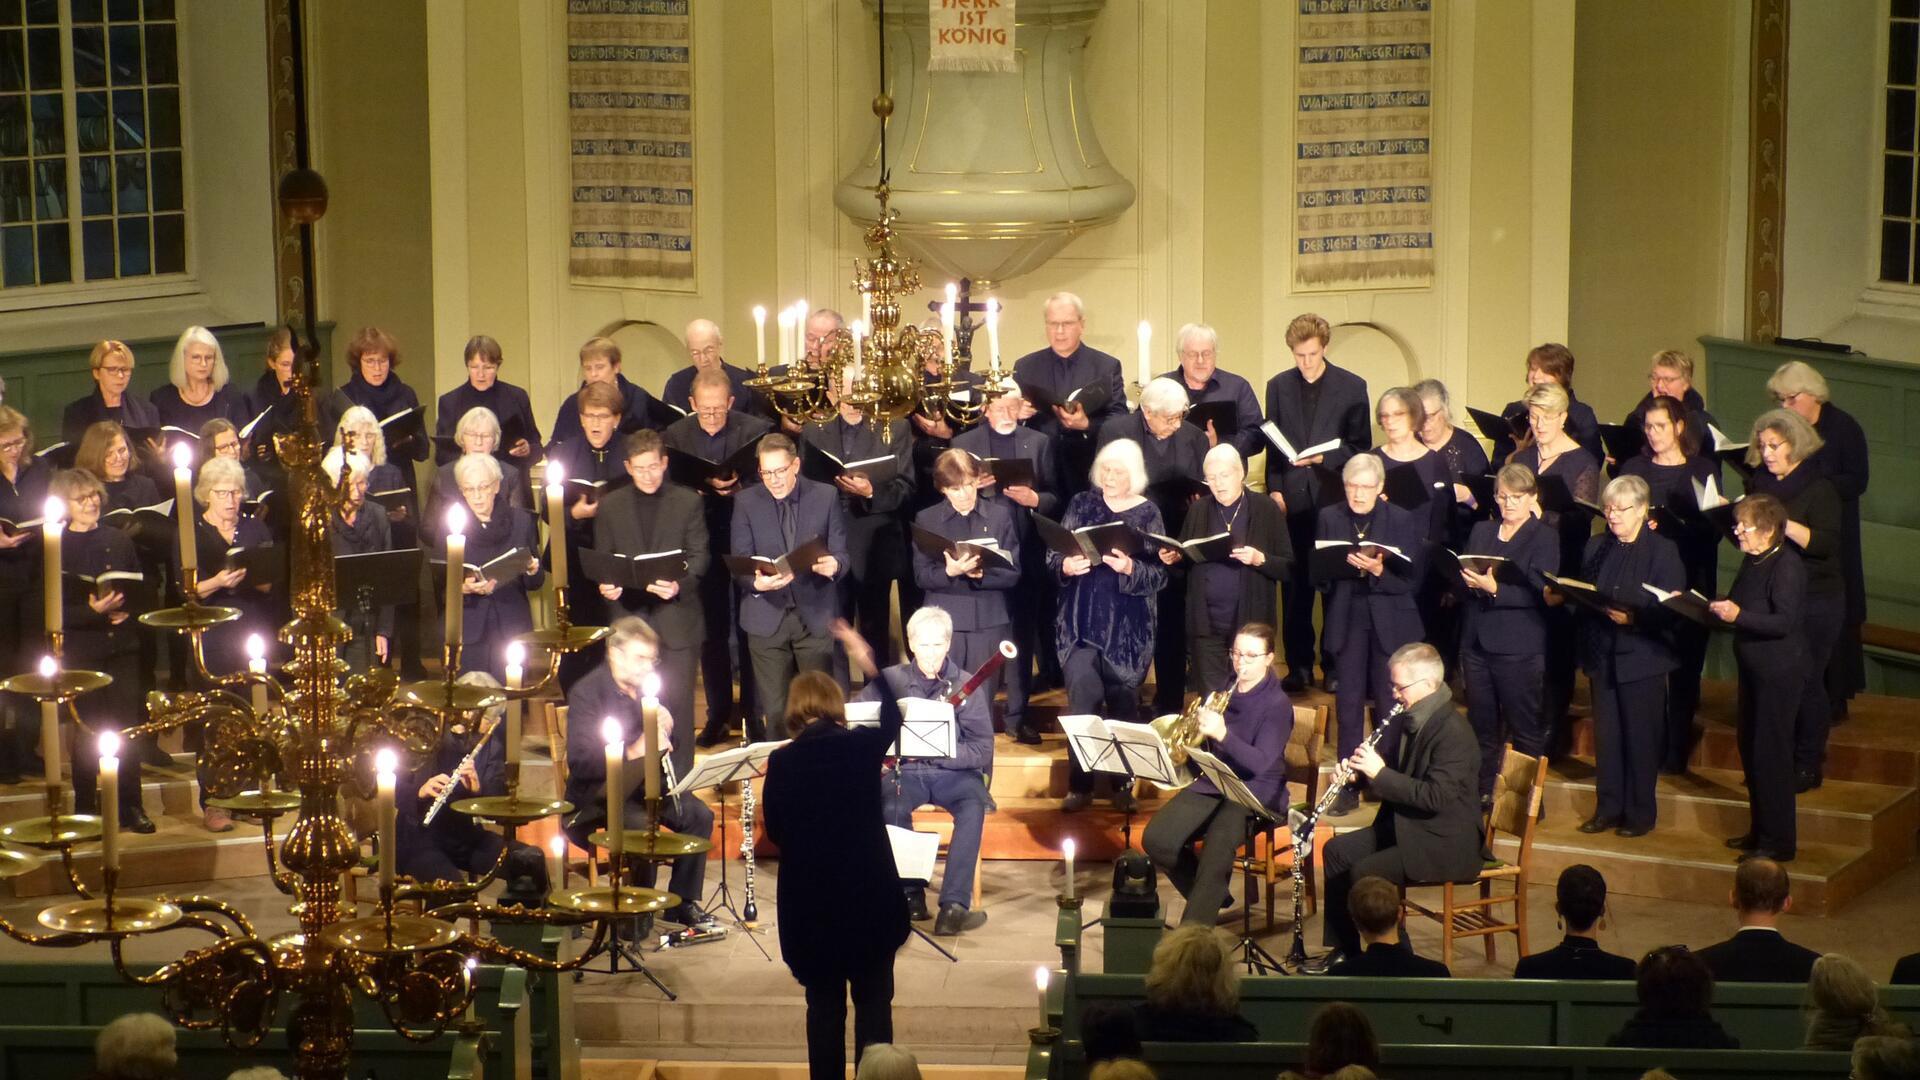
[557, 523]
[257, 667]
[616, 741]
[110, 800]
[1067, 849]
[760, 336]
[456, 571]
[785, 336]
[866, 307]
[183, 505]
[1146, 360]
[50, 726]
[1040, 975]
[56, 513]
[473, 984]
[946, 327]
[386, 764]
[650, 725]
[516, 672]
[556, 861]
[993, 333]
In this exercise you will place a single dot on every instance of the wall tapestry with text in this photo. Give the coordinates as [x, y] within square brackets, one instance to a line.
[1363, 153]
[630, 122]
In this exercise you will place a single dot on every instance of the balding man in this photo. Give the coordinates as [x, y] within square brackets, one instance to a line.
[704, 345]
[1051, 374]
[600, 363]
[1198, 347]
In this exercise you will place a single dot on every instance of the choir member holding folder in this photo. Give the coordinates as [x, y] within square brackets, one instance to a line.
[484, 390]
[374, 356]
[106, 454]
[1461, 451]
[112, 366]
[585, 466]
[1236, 549]
[873, 473]
[477, 433]
[966, 559]
[704, 345]
[197, 388]
[23, 496]
[1765, 609]
[1071, 388]
[1104, 626]
[1225, 407]
[360, 528]
[501, 537]
[1370, 556]
[658, 529]
[1502, 646]
[1552, 365]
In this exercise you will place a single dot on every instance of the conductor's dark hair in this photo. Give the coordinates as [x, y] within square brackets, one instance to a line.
[1671, 981]
[1580, 896]
[813, 695]
[1760, 885]
[1340, 1035]
[1374, 904]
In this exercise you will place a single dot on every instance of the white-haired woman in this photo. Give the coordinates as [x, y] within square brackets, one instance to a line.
[1223, 595]
[196, 390]
[1627, 657]
[1173, 451]
[1459, 450]
[369, 439]
[496, 612]
[1103, 629]
[359, 529]
[1371, 610]
[478, 432]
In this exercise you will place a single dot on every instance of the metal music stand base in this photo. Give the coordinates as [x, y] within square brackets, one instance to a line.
[721, 899]
[1258, 960]
[928, 938]
[620, 947]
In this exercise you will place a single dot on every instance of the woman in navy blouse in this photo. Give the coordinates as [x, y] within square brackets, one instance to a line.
[197, 390]
[1503, 642]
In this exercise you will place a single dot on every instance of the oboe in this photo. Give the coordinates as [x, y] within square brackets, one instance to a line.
[750, 913]
[1303, 832]
[453, 779]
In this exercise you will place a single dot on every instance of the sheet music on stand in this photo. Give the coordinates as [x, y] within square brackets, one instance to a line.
[927, 727]
[741, 762]
[1232, 788]
[914, 853]
[1121, 748]
[1091, 744]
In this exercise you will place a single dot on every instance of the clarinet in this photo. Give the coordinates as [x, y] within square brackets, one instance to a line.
[440, 801]
[1303, 833]
[750, 913]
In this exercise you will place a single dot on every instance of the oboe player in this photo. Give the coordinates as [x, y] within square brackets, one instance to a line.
[1251, 737]
[956, 784]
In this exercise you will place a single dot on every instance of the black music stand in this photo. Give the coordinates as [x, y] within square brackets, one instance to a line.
[1121, 749]
[746, 763]
[1258, 960]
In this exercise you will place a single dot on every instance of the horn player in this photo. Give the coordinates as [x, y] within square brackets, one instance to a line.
[1251, 737]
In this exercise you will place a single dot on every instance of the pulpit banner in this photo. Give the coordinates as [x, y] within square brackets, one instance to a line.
[630, 121]
[1363, 151]
[971, 35]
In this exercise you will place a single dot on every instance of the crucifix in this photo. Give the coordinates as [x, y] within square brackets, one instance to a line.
[963, 325]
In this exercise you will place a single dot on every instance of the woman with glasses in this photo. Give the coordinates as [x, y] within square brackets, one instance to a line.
[197, 389]
[1459, 450]
[1503, 639]
[1671, 464]
[1226, 594]
[508, 404]
[1627, 658]
[478, 432]
[112, 365]
[1765, 608]
[1784, 445]
[1671, 375]
[108, 457]
[23, 496]
[1552, 365]
[494, 612]
[375, 384]
[360, 528]
[101, 636]
[1412, 465]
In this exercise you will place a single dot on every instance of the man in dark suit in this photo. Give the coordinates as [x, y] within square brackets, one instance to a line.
[1311, 404]
[1199, 373]
[1757, 952]
[1374, 906]
[1581, 901]
[716, 432]
[871, 504]
[652, 515]
[590, 456]
[703, 347]
[1001, 436]
[1068, 364]
[1428, 825]
[787, 616]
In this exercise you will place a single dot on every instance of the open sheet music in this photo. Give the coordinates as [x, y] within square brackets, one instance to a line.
[914, 853]
[1116, 746]
[927, 727]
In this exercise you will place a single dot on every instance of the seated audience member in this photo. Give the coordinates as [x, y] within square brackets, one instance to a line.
[1906, 970]
[1886, 1057]
[1107, 1031]
[1675, 988]
[259, 1072]
[885, 1061]
[137, 1046]
[1843, 1005]
[1122, 1069]
[1581, 901]
[1757, 952]
[1340, 1043]
[1374, 904]
[1193, 992]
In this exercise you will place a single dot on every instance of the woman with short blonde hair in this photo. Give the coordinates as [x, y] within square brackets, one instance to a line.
[111, 398]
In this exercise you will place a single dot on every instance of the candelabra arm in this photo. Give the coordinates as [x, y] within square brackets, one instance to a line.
[73, 874]
[54, 941]
[197, 904]
[283, 880]
[532, 961]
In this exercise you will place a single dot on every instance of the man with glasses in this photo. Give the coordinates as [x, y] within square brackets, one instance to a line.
[1251, 737]
[716, 432]
[1428, 826]
[788, 614]
[817, 336]
[590, 457]
[654, 515]
[1671, 375]
[704, 345]
[1199, 374]
[1068, 364]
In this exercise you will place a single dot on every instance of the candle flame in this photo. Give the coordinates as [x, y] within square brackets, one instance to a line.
[516, 654]
[456, 520]
[49, 666]
[650, 685]
[182, 456]
[556, 475]
[386, 761]
[1146, 330]
[759, 315]
[256, 647]
[1068, 847]
[1040, 978]
[953, 292]
[558, 845]
[473, 963]
[611, 732]
[109, 744]
[55, 509]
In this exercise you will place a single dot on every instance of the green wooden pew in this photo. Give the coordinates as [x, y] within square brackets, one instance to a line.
[1261, 1061]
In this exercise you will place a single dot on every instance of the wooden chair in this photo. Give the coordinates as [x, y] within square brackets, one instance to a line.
[943, 824]
[1517, 792]
[556, 717]
[1269, 857]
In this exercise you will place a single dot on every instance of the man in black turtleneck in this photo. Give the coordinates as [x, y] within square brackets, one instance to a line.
[591, 458]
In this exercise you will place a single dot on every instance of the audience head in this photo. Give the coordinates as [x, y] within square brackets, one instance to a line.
[1670, 374]
[373, 353]
[1761, 891]
[1580, 898]
[197, 357]
[885, 1061]
[1108, 1031]
[1843, 1003]
[1781, 440]
[1796, 385]
[1551, 363]
[813, 695]
[1374, 904]
[483, 359]
[1193, 971]
[137, 1046]
[1122, 1069]
[1340, 1037]
[1120, 469]
[1308, 336]
[1066, 317]
[1886, 1057]
[1670, 981]
[1416, 670]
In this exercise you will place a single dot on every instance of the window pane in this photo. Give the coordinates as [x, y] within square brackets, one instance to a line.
[10, 13]
[123, 10]
[90, 121]
[89, 56]
[18, 255]
[1900, 120]
[163, 118]
[49, 130]
[123, 54]
[56, 261]
[1896, 249]
[16, 192]
[166, 182]
[96, 186]
[170, 244]
[96, 238]
[130, 180]
[162, 67]
[13, 125]
[133, 247]
[13, 60]
[1903, 46]
[43, 59]
[87, 11]
[159, 9]
[43, 12]
[129, 120]
[1906, 9]
[1897, 196]
[50, 189]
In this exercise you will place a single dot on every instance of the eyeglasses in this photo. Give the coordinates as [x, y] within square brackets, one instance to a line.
[1203, 354]
[1239, 655]
[13, 444]
[1401, 688]
[89, 497]
[1787, 399]
[116, 369]
[479, 489]
[704, 354]
[787, 468]
[1509, 496]
[227, 493]
[1067, 325]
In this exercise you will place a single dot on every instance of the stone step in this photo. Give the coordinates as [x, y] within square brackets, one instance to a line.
[180, 851]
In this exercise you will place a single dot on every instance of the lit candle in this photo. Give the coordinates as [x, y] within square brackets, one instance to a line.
[257, 667]
[993, 333]
[110, 800]
[1067, 849]
[760, 336]
[557, 523]
[1146, 361]
[1040, 975]
[183, 505]
[785, 335]
[50, 726]
[51, 528]
[616, 741]
[473, 984]
[650, 725]
[456, 571]
[946, 327]
[556, 861]
[866, 306]
[386, 763]
[516, 671]
[859, 348]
